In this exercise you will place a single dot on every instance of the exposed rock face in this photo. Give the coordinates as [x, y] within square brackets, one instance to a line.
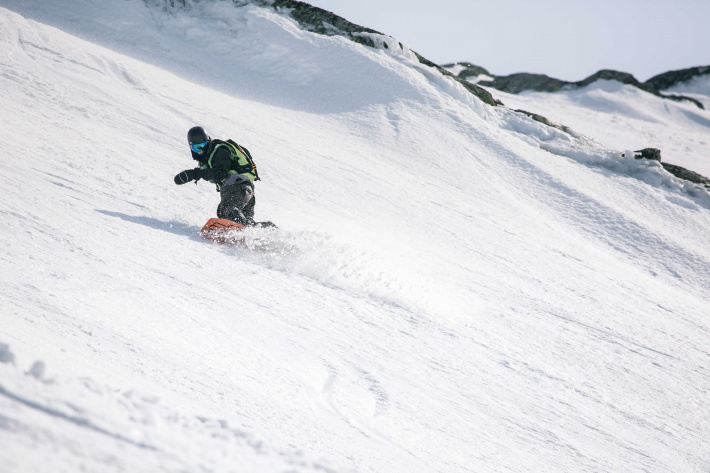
[543, 120]
[516, 83]
[649, 153]
[520, 82]
[669, 79]
[479, 92]
[623, 77]
[677, 171]
[324, 22]
[687, 174]
[469, 70]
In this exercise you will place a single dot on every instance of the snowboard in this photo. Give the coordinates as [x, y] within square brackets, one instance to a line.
[220, 230]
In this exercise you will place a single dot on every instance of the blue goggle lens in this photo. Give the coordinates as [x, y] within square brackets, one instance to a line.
[197, 147]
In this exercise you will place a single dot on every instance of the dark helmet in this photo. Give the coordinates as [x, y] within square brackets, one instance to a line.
[197, 135]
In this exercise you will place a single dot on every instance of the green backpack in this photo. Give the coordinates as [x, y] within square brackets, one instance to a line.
[242, 162]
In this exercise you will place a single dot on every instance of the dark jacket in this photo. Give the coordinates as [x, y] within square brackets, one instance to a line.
[225, 158]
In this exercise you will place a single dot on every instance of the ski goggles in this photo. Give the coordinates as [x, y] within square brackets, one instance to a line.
[197, 147]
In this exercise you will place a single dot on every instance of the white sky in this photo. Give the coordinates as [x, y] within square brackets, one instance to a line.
[566, 39]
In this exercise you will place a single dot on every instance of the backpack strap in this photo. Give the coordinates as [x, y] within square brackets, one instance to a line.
[250, 167]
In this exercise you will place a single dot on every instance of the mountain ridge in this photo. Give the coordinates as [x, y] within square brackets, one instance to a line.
[523, 81]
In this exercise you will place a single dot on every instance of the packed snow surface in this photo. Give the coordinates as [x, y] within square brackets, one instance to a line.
[623, 116]
[452, 287]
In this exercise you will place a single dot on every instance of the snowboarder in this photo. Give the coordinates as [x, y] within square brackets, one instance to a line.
[231, 168]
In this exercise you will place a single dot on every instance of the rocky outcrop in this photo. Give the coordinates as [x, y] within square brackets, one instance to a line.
[648, 153]
[687, 174]
[669, 79]
[544, 120]
[469, 70]
[677, 171]
[516, 83]
[623, 77]
[520, 82]
[323, 22]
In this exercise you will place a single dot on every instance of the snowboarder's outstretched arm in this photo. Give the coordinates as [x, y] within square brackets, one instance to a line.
[188, 175]
[216, 171]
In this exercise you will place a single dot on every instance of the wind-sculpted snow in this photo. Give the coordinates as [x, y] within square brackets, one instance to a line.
[583, 150]
[698, 87]
[622, 117]
[248, 51]
[452, 287]
[90, 421]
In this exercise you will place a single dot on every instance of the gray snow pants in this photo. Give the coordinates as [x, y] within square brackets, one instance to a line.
[237, 200]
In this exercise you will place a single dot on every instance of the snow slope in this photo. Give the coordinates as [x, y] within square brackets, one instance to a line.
[698, 88]
[625, 117]
[453, 287]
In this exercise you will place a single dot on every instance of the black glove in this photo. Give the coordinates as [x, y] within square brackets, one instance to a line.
[188, 175]
[213, 174]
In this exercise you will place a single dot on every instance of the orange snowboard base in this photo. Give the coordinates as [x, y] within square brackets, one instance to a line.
[223, 231]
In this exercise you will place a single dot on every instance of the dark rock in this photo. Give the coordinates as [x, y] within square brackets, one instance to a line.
[649, 153]
[470, 70]
[677, 171]
[516, 83]
[683, 98]
[322, 21]
[545, 121]
[647, 86]
[687, 174]
[520, 82]
[623, 77]
[669, 79]
[479, 92]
